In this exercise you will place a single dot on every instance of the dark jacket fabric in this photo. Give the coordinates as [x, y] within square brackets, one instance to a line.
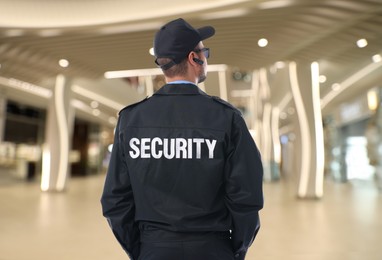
[183, 161]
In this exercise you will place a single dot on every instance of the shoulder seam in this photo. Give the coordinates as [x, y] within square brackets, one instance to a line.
[225, 103]
[134, 104]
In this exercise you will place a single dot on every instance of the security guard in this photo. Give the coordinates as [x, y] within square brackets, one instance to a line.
[185, 176]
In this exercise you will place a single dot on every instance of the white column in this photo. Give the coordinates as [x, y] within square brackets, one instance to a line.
[55, 168]
[310, 149]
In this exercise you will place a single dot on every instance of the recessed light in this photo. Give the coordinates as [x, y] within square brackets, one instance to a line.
[336, 86]
[262, 42]
[94, 104]
[112, 120]
[376, 58]
[96, 112]
[151, 51]
[63, 63]
[362, 43]
[322, 78]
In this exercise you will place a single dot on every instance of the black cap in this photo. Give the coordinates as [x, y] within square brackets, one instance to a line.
[176, 39]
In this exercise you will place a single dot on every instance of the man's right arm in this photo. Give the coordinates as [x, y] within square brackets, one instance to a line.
[118, 201]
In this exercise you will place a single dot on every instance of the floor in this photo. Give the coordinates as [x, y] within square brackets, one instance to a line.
[345, 225]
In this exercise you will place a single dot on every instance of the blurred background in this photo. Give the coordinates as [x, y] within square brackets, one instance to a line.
[306, 75]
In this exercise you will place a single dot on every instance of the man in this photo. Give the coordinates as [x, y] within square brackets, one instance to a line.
[185, 176]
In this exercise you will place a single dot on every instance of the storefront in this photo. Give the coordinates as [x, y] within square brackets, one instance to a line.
[353, 139]
[23, 137]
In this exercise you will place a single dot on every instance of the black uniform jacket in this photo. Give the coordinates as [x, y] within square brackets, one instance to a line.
[183, 161]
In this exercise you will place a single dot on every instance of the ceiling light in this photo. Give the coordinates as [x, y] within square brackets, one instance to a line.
[14, 33]
[336, 86]
[280, 64]
[362, 43]
[63, 63]
[96, 112]
[49, 33]
[322, 78]
[274, 4]
[151, 51]
[112, 120]
[94, 104]
[376, 58]
[372, 99]
[262, 42]
[27, 87]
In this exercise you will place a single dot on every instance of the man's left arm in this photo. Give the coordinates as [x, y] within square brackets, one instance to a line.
[244, 195]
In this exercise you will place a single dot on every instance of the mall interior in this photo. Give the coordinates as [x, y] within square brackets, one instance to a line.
[306, 76]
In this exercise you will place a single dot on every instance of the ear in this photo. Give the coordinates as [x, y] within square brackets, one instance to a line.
[191, 59]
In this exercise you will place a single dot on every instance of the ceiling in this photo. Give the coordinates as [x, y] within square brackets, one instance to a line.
[98, 36]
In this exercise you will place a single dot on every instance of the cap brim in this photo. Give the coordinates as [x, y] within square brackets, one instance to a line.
[206, 32]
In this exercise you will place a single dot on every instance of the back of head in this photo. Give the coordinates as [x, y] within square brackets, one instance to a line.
[175, 40]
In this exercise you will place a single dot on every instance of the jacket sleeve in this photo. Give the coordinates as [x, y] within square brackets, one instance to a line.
[244, 195]
[118, 201]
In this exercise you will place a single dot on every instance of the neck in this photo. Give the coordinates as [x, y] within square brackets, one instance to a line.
[168, 80]
[188, 76]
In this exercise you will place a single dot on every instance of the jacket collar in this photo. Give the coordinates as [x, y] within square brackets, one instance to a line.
[180, 89]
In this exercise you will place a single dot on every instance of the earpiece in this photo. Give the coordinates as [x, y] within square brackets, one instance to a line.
[200, 62]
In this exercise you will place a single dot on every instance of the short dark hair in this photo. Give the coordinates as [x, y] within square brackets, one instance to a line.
[176, 70]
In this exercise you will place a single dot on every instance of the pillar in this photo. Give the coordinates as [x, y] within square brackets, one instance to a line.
[55, 161]
[304, 82]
